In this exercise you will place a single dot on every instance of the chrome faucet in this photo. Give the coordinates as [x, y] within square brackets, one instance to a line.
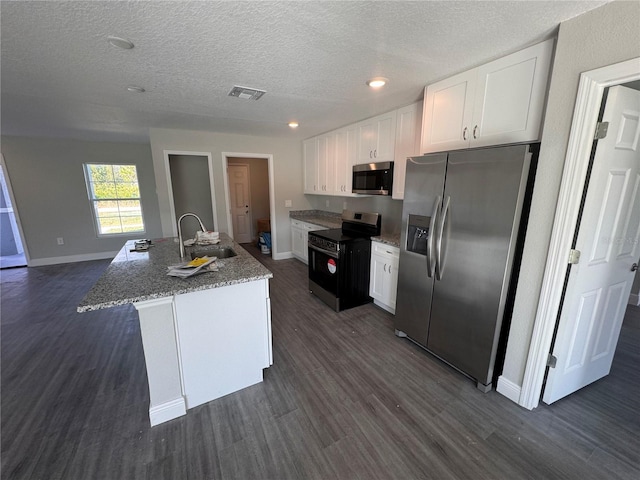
[180, 230]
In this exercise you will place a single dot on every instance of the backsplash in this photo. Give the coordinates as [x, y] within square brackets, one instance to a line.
[391, 210]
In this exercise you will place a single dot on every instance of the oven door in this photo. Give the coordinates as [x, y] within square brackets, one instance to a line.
[324, 273]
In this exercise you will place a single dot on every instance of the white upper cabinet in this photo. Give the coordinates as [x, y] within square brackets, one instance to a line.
[310, 158]
[326, 160]
[498, 103]
[346, 155]
[376, 138]
[408, 123]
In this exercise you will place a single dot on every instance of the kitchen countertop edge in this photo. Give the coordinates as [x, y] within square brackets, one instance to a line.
[320, 218]
[388, 239]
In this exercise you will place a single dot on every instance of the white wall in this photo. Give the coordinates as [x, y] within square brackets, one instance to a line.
[51, 198]
[601, 37]
[287, 163]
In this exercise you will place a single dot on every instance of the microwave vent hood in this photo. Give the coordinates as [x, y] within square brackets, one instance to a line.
[373, 178]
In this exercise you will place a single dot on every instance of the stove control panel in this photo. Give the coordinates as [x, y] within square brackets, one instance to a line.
[323, 243]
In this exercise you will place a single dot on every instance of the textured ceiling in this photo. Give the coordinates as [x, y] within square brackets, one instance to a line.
[60, 77]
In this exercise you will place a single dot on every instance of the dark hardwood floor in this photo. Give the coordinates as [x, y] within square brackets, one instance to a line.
[344, 399]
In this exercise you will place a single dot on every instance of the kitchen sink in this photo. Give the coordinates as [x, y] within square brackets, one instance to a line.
[220, 252]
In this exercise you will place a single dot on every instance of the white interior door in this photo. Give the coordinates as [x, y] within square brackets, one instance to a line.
[608, 239]
[240, 202]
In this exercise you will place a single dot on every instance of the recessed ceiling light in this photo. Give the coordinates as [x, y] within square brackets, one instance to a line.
[120, 42]
[135, 89]
[293, 124]
[377, 82]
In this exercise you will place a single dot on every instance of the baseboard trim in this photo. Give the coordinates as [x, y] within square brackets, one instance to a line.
[508, 389]
[85, 257]
[167, 411]
[282, 256]
[389, 309]
[634, 299]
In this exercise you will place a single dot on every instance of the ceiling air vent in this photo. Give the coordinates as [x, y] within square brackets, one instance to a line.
[246, 93]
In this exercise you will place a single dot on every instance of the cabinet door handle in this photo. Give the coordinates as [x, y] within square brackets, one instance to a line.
[464, 133]
[370, 154]
[375, 153]
[385, 267]
[475, 130]
[389, 269]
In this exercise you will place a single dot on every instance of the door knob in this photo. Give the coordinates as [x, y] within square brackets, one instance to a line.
[634, 267]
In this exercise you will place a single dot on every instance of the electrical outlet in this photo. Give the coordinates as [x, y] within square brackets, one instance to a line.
[287, 203]
[60, 241]
[327, 203]
[344, 205]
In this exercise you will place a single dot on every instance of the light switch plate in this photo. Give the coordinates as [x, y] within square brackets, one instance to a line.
[287, 203]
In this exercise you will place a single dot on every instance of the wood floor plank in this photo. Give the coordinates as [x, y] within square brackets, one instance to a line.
[344, 399]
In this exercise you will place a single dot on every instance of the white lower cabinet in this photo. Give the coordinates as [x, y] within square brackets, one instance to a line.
[300, 237]
[384, 275]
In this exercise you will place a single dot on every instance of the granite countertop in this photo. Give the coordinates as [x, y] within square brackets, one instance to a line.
[392, 239]
[318, 217]
[138, 276]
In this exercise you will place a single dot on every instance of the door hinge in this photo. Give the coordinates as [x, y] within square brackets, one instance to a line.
[601, 130]
[574, 256]
[551, 361]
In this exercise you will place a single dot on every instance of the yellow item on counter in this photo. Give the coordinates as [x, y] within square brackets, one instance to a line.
[196, 262]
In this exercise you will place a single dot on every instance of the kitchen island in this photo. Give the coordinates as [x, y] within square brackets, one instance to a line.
[203, 337]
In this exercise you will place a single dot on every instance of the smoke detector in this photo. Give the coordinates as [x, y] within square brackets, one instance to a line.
[246, 93]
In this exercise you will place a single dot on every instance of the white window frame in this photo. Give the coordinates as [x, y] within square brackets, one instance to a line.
[96, 225]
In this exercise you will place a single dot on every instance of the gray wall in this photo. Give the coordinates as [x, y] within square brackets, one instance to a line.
[259, 179]
[391, 210]
[287, 163]
[191, 192]
[51, 198]
[601, 37]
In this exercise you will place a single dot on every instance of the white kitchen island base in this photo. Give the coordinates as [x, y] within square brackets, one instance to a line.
[202, 345]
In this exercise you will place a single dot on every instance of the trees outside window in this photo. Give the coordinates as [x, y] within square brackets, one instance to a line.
[115, 198]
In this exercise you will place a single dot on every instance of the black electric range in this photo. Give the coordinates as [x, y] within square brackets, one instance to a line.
[339, 260]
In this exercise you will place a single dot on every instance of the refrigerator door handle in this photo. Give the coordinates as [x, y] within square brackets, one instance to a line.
[431, 263]
[441, 256]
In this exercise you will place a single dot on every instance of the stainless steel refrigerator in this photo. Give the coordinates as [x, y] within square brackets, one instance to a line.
[461, 218]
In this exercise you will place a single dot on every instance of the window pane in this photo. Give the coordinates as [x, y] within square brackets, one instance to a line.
[125, 173]
[127, 190]
[104, 190]
[129, 208]
[100, 173]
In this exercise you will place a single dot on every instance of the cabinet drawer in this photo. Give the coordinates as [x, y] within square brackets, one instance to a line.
[306, 226]
[384, 250]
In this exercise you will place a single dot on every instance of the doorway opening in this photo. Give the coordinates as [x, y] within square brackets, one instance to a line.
[588, 103]
[12, 252]
[191, 189]
[249, 197]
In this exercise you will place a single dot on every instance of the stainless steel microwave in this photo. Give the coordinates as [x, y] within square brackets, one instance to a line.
[373, 178]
